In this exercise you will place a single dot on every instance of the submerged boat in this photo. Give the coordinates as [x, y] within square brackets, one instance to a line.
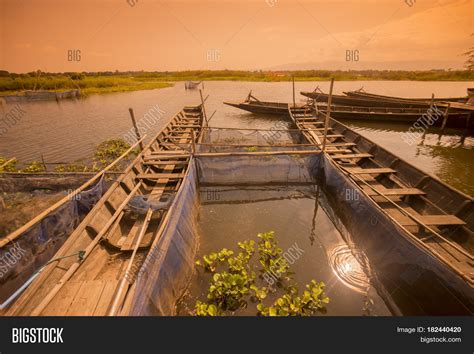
[456, 118]
[94, 272]
[422, 237]
[41, 95]
[363, 94]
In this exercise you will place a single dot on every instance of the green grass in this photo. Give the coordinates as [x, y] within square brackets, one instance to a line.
[104, 82]
[310, 75]
[87, 85]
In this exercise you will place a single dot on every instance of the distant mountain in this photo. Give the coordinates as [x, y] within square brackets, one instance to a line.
[370, 65]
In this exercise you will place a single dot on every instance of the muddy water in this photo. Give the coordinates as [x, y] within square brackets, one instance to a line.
[70, 130]
[229, 215]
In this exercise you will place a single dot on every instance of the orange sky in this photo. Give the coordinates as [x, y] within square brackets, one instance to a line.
[244, 34]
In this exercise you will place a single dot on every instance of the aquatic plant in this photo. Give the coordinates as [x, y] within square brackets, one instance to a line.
[72, 167]
[7, 167]
[33, 167]
[108, 151]
[234, 282]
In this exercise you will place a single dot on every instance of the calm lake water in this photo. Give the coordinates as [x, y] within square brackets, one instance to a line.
[71, 129]
[318, 251]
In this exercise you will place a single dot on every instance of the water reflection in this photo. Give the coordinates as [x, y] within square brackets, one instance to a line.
[348, 268]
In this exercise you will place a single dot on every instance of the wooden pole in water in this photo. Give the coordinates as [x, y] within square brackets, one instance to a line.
[430, 111]
[137, 133]
[203, 107]
[44, 163]
[445, 119]
[328, 113]
[294, 98]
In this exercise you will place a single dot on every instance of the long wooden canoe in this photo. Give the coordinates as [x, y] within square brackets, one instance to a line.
[456, 118]
[321, 97]
[262, 107]
[435, 217]
[94, 270]
[363, 94]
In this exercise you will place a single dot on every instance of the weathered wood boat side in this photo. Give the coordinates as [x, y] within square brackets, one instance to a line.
[321, 97]
[93, 272]
[363, 94]
[456, 118]
[435, 221]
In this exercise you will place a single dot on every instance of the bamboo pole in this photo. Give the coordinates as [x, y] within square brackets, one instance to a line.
[15, 234]
[294, 95]
[260, 130]
[6, 163]
[203, 107]
[445, 119]
[137, 133]
[44, 164]
[328, 114]
[256, 145]
[258, 153]
[212, 115]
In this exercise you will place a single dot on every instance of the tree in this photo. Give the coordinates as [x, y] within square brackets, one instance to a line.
[469, 64]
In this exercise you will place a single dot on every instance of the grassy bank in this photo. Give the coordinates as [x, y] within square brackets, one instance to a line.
[310, 75]
[87, 84]
[105, 82]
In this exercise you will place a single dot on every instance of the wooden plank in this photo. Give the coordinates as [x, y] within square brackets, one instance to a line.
[396, 191]
[169, 162]
[105, 298]
[86, 299]
[341, 144]
[160, 175]
[369, 171]
[164, 153]
[62, 302]
[351, 156]
[432, 220]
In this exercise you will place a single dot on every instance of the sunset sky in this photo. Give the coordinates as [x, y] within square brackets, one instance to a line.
[243, 34]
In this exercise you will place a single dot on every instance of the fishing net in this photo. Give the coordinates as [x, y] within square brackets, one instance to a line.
[402, 272]
[35, 247]
[251, 140]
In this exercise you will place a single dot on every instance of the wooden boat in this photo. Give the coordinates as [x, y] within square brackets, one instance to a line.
[437, 221]
[321, 97]
[191, 85]
[254, 105]
[93, 272]
[456, 118]
[363, 94]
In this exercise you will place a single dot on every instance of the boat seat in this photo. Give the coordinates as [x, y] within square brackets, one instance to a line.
[351, 156]
[431, 220]
[160, 176]
[395, 191]
[166, 162]
[370, 171]
[340, 144]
